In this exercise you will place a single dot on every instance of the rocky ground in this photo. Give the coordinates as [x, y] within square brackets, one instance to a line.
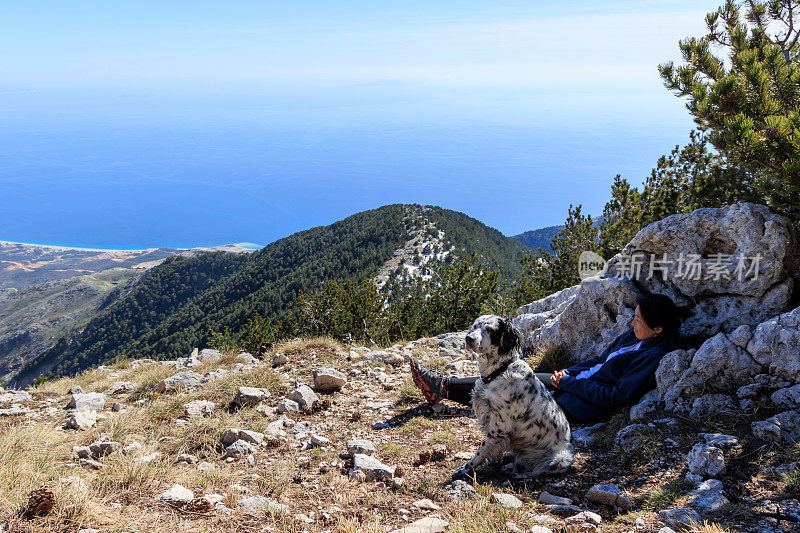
[323, 437]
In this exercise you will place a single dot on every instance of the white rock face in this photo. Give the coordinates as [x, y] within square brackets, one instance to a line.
[585, 318]
[355, 446]
[328, 379]
[708, 496]
[775, 344]
[81, 420]
[15, 396]
[208, 355]
[91, 401]
[240, 448]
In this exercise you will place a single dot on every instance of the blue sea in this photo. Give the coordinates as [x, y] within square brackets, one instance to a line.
[117, 169]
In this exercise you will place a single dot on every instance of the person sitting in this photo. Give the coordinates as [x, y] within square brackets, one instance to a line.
[593, 389]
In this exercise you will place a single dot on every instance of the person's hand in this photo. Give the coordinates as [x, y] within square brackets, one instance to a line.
[556, 377]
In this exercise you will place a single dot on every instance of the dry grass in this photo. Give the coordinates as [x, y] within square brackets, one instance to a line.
[305, 345]
[549, 358]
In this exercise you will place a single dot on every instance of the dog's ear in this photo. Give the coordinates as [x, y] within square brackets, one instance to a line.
[509, 338]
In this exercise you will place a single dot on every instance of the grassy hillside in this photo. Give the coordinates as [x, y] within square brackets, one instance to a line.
[177, 305]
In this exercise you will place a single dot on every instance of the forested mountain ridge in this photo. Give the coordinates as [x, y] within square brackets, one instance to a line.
[177, 305]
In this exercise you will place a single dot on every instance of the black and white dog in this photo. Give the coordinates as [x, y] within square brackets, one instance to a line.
[514, 410]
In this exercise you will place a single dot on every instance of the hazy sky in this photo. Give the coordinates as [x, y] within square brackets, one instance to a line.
[96, 70]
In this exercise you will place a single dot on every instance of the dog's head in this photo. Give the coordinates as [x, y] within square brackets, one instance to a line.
[491, 337]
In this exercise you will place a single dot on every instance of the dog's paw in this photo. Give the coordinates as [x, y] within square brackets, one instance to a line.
[509, 469]
[465, 471]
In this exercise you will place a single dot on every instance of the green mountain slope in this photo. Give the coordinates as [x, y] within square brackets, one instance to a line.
[176, 305]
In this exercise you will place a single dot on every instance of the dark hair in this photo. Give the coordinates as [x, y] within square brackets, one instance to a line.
[659, 311]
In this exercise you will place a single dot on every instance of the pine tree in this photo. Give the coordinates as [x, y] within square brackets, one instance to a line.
[747, 97]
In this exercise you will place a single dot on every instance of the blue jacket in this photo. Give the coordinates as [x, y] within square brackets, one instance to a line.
[594, 389]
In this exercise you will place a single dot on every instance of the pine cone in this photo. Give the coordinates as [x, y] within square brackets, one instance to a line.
[40, 502]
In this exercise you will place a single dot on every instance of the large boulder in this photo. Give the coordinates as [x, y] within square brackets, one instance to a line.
[693, 259]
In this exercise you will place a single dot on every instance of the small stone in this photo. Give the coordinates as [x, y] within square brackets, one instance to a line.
[430, 524]
[328, 379]
[355, 446]
[177, 496]
[120, 387]
[585, 435]
[239, 449]
[131, 448]
[187, 458]
[249, 396]
[373, 469]
[719, 439]
[198, 408]
[287, 405]
[117, 407]
[205, 466]
[318, 440]
[81, 420]
[540, 529]
[708, 496]
[508, 501]
[91, 401]
[426, 505]
[680, 517]
[209, 356]
[609, 495]
[147, 458]
[259, 506]
[279, 359]
[304, 397]
[550, 499]
[246, 358]
[100, 449]
[77, 389]
[181, 380]
[233, 434]
[708, 461]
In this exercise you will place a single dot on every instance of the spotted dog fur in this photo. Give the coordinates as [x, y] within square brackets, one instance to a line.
[514, 410]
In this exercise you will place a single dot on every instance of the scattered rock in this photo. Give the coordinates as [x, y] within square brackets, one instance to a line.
[177, 496]
[372, 468]
[584, 435]
[239, 449]
[304, 397]
[550, 499]
[92, 401]
[629, 436]
[231, 435]
[680, 517]
[81, 420]
[279, 359]
[209, 356]
[708, 496]
[100, 449]
[328, 379]
[249, 396]
[181, 380]
[15, 396]
[198, 408]
[430, 524]
[719, 439]
[259, 506]
[120, 387]
[426, 505]
[706, 460]
[610, 495]
[783, 427]
[355, 446]
[507, 500]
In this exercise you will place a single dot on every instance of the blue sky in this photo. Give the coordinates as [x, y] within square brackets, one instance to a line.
[302, 113]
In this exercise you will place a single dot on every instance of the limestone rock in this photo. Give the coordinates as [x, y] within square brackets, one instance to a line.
[209, 356]
[680, 517]
[181, 380]
[585, 435]
[705, 460]
[91, 401]
[81, 420]
[100, 449]
[328, 379]
[15, 396]
[708, 496]
[710, 405]
[304, 396]
[177, 495]
[719, 439]
[508, 501]
[430, 524]
[775, 344]
[248, 396]
[372, 468]
[362, 446]
[279, 359]
[788, 398]
[648, 405]
[287, 406]
[629, 436]
[782, 428]
[121, 387]
[389, 358]
[238, 449]
[609, 495]
[198, 408]
[550, 499]
[246, 358]
[231, 435]
[259, 506]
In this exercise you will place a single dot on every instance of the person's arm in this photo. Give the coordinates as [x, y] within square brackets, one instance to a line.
[633, 384]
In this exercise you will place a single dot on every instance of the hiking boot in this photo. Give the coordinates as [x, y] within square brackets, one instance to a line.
[432, 384]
